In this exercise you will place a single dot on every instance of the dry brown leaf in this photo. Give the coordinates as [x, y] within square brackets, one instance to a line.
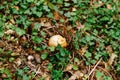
[76, 75]
[109, 49]
[68, 67]
[2, 44]
[18, 61]
[9, 32]
[46, 76]
[56, 15]
[15, 54]
[44, 22]
[111, 59]
[82, 50]
[99, 4]
[108, 6]
[12, 21]
[16, 7]
[37, 58]
[11, 39]
[79, 25]
[30, 51]
[74, 9]
[111, 54]
[47, 24]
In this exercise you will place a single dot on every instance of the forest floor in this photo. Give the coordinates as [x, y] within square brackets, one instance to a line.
[91, 29]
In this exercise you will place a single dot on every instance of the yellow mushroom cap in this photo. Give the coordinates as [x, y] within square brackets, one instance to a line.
[57, 39]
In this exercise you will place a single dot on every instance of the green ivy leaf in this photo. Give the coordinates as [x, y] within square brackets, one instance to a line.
[52, 48]
[88, 54]
[99, 74]
[75, 67]
[37, 39]
[30, 0]
[44, 56]
[50, 5]
[37, 25]
[19, 31]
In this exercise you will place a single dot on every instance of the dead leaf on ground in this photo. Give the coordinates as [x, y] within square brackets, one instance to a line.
[12, 21]
[111, 59]
[46, 76]
[9, 32]
[109, 6]
[79, 25]
[109, 49]
[69, 67]
[37, 58]
[18, 62]
[56, 15]
[96, 4]
[15, 54]
[16, 7]
[111, 54]
[82, 50]
[2, 44]
[46, 22]
[77, 75]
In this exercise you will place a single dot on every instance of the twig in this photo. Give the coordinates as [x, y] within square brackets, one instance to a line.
[94, 68]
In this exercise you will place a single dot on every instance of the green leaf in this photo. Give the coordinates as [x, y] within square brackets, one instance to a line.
[26, 77]
[37, 25]
[52, 48]
[76, 60]
[75, 67]
[57, 74]
[44, 56]
[37, 39]
[50, 5]
[46, 8]
[39, 14]
[88, 54]
[19, 31]
[1, 34]
[42, 33]
[11, 59]
[50, 66]
[99, 74]
[1, 23]
[68, 14]
[30, 0]
[66, 4]
[50, 15]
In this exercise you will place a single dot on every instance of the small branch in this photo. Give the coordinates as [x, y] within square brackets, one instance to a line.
[94, 68]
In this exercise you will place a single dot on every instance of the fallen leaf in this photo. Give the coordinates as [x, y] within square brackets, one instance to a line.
[109, 49]
[37, 58]
[74, 9]
[98, 4]
[82, 50]
[79, 25]
[76, 75]
[46, 76]
[111, 59]
[108, 6]
[16, 7]
[2, 44]
[68, 67]
[56, 15]
[18, 61]
[9, 32]
[12, 21]
[111, 54]
[15, 54]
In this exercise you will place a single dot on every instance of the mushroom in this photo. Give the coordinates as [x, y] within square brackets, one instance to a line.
[57, 39]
